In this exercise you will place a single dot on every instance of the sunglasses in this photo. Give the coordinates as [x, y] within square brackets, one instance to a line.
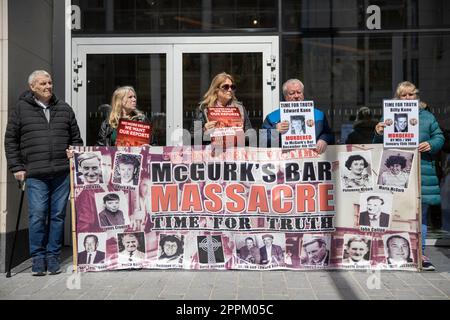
[227, 87]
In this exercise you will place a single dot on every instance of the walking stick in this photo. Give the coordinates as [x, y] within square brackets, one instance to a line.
[21, 187]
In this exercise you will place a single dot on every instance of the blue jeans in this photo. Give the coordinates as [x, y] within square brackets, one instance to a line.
[425, 210]
[46, 225]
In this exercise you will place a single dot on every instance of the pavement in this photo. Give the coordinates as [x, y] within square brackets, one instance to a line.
[231, 285]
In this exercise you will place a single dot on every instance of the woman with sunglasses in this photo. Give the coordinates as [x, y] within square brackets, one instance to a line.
[219, 95]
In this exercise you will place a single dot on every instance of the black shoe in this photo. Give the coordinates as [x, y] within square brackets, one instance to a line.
[38, 267]
[427, 265]
[53, 265]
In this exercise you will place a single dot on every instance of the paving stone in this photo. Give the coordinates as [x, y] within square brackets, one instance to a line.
[275, 297]
[329, 296]
[427, 291]
[119, 297]
[250, 294]
[171, 297]
[301, 294]
[198, 294]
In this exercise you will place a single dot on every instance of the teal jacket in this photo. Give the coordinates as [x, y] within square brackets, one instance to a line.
[430, 132]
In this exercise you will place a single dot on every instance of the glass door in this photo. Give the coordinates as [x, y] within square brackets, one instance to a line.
[170, 76]
[252, 61]
[100, 69]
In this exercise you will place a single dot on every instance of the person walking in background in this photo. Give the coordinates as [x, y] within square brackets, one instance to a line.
[362, 127]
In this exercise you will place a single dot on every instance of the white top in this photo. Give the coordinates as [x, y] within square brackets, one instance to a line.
[400, 180]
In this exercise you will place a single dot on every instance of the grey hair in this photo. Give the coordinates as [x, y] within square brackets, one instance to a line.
[32, 77]
[289, 82]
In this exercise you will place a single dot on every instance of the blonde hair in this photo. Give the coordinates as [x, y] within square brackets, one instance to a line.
[403, 86]
[117, 105]
[210, 97]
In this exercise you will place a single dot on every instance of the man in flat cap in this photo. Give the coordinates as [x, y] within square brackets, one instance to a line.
[270, 253]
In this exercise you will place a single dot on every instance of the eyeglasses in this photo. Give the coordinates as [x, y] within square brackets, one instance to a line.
[227, 87]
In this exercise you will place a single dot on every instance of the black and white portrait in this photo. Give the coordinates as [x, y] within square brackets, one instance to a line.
[112, 209]
[316, 250]
[298, 125]
[356, 170]
[375, 209]
[247, 249]
[171, 249]
[91, 248]
[356, 250]
[88, 168]
[395, 168]
[400, 122]
[131, 247]
[127, 169]
[397, 248]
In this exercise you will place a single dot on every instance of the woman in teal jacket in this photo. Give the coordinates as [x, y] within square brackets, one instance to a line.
[431, 140]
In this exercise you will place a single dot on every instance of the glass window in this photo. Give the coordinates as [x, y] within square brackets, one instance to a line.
[145, 72]
[200, 68]
[342, 74]
[154, 16]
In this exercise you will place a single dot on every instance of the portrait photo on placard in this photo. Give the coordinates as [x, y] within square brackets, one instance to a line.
[88, 168]
[395, 168]
[91, 248]
[375, 209]
[397, 249]
[356, 170]
[112, 209]
[127, 169]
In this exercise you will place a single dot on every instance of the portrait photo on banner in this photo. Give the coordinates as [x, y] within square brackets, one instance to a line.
[356, 171]
[246, 249]
[397, 249]
[112, 209]
[395, 168]
[171, 248]
[356, 250]
[91, 248]
[272, 247]
[88, 168]
[131, 247]
[127, 169]
[316, 250]
[375, 209]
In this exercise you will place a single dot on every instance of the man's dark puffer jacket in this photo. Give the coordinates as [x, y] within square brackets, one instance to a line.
[37, 146]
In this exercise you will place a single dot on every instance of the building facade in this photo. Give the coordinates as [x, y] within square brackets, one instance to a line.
[348, 53]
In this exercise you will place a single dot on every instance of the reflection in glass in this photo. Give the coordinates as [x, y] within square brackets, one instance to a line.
[200, 68]
[145, 72]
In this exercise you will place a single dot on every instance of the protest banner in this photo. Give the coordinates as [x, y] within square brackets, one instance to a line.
[246, 208]
[133, 133]
[302, 132]
[401, 118]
